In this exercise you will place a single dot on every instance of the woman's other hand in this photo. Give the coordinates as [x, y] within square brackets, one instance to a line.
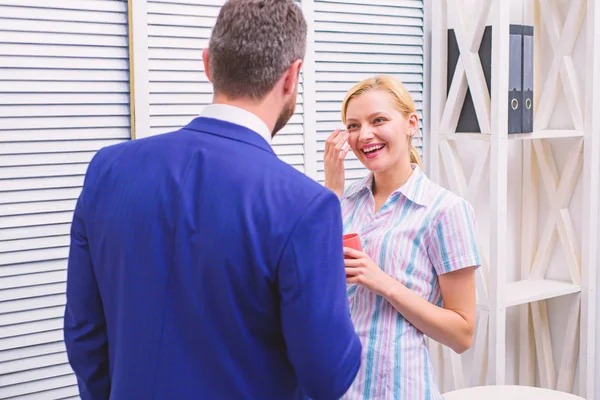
[335, 154]
[362, 270]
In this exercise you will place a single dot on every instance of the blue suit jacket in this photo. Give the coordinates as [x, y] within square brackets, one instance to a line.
[203, 267]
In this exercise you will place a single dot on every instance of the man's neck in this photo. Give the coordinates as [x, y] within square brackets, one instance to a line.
[257, 108]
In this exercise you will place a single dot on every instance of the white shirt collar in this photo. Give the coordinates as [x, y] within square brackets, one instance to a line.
[238, 116]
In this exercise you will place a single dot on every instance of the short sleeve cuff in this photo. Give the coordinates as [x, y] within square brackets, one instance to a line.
[469, 260]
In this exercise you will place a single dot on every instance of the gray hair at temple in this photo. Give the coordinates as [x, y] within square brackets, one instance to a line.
[253, 43]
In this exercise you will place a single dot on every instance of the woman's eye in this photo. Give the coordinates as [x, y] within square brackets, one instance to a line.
[351, 126]
[379, 120]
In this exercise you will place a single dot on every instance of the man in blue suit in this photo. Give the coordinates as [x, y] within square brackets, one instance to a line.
[203, 267]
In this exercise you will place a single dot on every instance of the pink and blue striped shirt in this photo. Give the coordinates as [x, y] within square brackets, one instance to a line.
[422, 231]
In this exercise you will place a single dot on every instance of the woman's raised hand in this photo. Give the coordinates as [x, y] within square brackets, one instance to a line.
[335, 154]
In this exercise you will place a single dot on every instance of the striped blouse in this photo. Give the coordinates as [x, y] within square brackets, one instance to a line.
[421, 231]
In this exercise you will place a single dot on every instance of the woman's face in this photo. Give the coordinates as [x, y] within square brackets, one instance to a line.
[379, 134]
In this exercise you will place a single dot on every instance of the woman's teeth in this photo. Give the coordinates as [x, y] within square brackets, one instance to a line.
[372, 149]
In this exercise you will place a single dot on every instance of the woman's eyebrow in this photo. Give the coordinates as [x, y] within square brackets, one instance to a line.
[369, 117]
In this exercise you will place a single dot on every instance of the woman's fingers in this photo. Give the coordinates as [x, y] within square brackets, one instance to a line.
[336, 139]
[332, 136]
[353, 272]
[354, 254]
[331, 140]
[344, 153]
[352, 262]
[341, 140]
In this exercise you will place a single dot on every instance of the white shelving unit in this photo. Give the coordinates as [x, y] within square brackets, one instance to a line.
[533, 288]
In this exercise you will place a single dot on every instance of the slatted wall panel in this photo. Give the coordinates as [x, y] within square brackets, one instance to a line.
[64, 94]
[178, 31]
[354, 40]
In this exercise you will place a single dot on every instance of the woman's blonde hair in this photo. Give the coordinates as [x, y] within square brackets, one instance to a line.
[394, 88]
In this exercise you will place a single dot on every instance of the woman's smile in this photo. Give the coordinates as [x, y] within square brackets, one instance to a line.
[372, 150]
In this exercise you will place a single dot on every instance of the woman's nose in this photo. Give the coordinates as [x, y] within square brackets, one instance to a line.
[366, 133]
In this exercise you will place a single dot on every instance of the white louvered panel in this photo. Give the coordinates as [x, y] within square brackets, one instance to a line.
[32, 291]
[32, 244]
[69, 391]
[355, 40]
[10, 357]
[178, 31]
[32, 303]
[30, 316]
[44, 266]
[41, 361]
[64, 94]
[32, 280]
[54, 385]
[33, 232]
[18, 330]
[34, 220]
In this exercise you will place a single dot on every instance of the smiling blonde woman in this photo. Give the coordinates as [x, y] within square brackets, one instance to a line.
[415, 276]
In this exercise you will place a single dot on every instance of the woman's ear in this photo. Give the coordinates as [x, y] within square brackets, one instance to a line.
[413, 125]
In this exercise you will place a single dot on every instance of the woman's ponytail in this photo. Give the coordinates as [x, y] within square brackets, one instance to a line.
[415, 157]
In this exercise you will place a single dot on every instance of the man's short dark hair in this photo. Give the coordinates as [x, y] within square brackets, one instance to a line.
[253, 43]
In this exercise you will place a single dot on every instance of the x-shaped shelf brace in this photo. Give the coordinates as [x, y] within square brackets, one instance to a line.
[468, 190]
[468, 73]
[543, 345]
[559, 191]
[562, 64]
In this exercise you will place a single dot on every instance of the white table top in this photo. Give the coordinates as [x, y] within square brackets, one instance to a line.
[508, 392]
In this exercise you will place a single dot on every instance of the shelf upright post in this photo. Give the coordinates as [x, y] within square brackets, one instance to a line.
[498, 190]
[439, 59]
[591, 197]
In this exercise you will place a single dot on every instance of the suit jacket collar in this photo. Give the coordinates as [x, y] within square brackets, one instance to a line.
[229, 130]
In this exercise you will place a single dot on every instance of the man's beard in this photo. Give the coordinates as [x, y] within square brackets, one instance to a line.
[284, 116]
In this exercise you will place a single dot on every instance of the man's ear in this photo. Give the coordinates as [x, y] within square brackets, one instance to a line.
[292, 76]
[206, 59]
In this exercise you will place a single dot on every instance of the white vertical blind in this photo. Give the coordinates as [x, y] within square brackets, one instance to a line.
[355, 40]
[178, 31]
[64, 94]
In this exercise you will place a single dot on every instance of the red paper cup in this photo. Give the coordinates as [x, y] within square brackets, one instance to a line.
[352, 240]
